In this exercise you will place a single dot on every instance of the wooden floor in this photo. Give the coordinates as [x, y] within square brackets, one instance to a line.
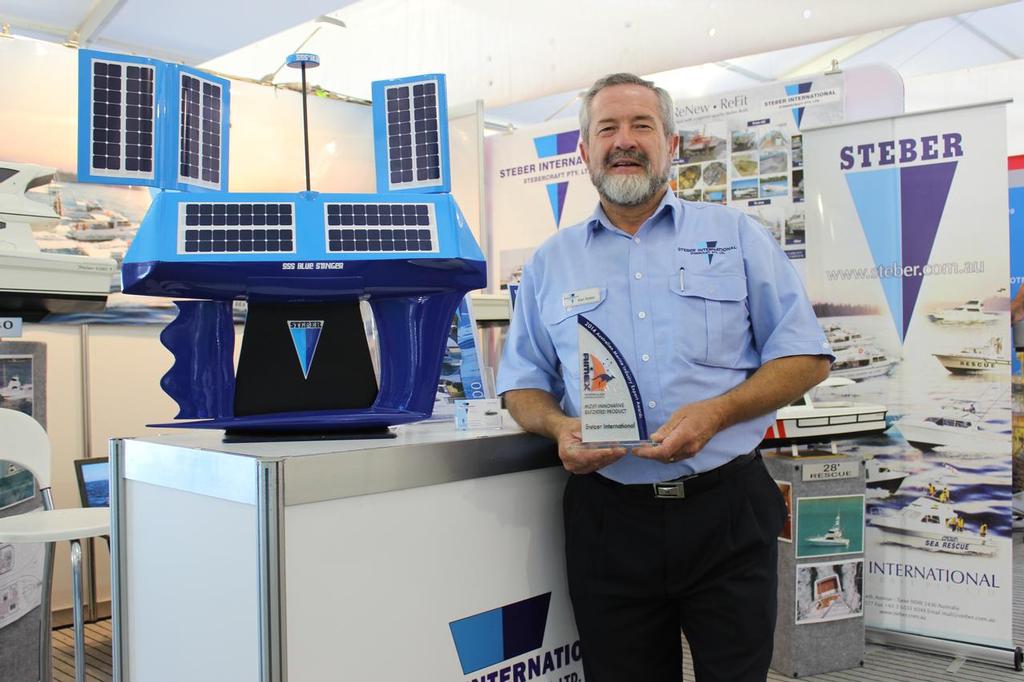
[97, 653]
[881, 664]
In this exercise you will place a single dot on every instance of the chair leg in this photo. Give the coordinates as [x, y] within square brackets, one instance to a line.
[46, 618]
[76, 588]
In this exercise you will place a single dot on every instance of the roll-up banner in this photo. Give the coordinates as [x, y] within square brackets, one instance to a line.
[907, 224]
[1016, 172]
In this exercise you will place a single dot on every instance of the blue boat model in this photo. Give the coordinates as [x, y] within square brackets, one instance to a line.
[304, 261]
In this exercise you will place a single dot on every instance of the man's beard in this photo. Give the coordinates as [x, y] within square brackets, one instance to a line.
[631, 189]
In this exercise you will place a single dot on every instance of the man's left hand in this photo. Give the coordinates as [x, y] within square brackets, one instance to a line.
[685, 433]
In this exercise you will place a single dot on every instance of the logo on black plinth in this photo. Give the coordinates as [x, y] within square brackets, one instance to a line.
[305, 336]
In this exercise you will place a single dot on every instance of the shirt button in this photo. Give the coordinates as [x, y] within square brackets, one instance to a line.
[642, 315]
[652, 403]
[638, 275]
[636, 240]
[645, 357]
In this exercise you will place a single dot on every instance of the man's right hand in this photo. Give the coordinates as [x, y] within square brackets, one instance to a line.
[538, 411]
[576, 457]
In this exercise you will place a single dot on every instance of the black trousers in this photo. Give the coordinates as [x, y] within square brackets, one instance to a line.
[640, 570]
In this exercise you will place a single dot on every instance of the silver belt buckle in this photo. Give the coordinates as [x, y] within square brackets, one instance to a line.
[673, 489]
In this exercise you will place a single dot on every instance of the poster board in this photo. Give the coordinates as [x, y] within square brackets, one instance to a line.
[890, 262]
[22, 388]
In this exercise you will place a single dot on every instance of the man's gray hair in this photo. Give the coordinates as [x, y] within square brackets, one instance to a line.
[665, 104]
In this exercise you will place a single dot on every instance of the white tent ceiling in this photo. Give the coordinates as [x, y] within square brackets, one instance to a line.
[536, 51]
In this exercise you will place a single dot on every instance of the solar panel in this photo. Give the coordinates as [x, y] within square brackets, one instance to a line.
[121, 136]
[413, 134]
[200, 121]
[380, 228]
[243, 228]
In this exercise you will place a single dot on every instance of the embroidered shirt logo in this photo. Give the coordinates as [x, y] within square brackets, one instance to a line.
[710, 249]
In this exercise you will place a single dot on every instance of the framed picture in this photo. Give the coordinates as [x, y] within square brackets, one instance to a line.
[786, 488]
[829, 591]
[22, 388]
[827, 526]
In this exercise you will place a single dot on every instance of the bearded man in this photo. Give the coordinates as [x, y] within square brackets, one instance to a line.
[713, 321]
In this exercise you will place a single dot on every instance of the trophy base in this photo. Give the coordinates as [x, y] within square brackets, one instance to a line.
[603, 444]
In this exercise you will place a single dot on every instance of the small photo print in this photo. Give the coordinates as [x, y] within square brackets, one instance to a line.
[798, 185]
[16, 389]
[689, 194]
[774, 185]
[714, 196]
[689, 176]
[786, 489]
[16, 484]
[829, 591]
[828, 526]
[745, 164]
[714, 174]
[795, 230]
[798, 151]
[744, 140]
[774, 162]
[773, 140]
[696, 146]
[744, 189]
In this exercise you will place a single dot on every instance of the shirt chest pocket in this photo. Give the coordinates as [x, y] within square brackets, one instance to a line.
[713, 326]
[559, 317]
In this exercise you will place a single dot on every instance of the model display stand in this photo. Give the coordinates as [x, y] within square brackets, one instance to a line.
[305, 262]
[820, 623]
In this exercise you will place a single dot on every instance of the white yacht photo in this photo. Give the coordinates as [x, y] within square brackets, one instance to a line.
[958, 427]
[971, 312]
[833, 537]
[862, 362]
[36, 283]
[880, 477]
[976, 359]
[933, 524]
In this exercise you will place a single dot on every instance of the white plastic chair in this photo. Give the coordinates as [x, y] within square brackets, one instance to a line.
[24, 442]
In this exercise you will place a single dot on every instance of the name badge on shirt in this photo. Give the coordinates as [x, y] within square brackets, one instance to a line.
[581, 297]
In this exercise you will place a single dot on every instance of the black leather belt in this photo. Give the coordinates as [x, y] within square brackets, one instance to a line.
[681, 488]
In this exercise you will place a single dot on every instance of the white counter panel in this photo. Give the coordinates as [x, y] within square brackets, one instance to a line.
[191, 585]
[401, 566]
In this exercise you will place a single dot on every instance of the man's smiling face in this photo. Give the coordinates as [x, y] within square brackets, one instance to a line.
[627, 151]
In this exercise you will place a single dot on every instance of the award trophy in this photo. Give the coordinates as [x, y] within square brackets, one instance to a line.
[611, 409]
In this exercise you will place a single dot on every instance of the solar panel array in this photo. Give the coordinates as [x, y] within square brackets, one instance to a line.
[122, 119]
[200, 131]
[380, 228]
[245, 228]
[413, 135]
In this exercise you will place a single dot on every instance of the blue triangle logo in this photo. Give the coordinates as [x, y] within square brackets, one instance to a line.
[876, 196]
[798, 89]
[305, 337]
[556, 195]
[710, 245]
[900, 210]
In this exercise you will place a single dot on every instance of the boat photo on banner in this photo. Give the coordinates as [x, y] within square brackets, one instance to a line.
[920, 320]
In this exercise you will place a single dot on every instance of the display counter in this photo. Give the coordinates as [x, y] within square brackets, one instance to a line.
[436, 555]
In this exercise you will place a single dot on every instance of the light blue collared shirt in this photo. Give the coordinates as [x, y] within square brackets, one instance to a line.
[696, 302]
